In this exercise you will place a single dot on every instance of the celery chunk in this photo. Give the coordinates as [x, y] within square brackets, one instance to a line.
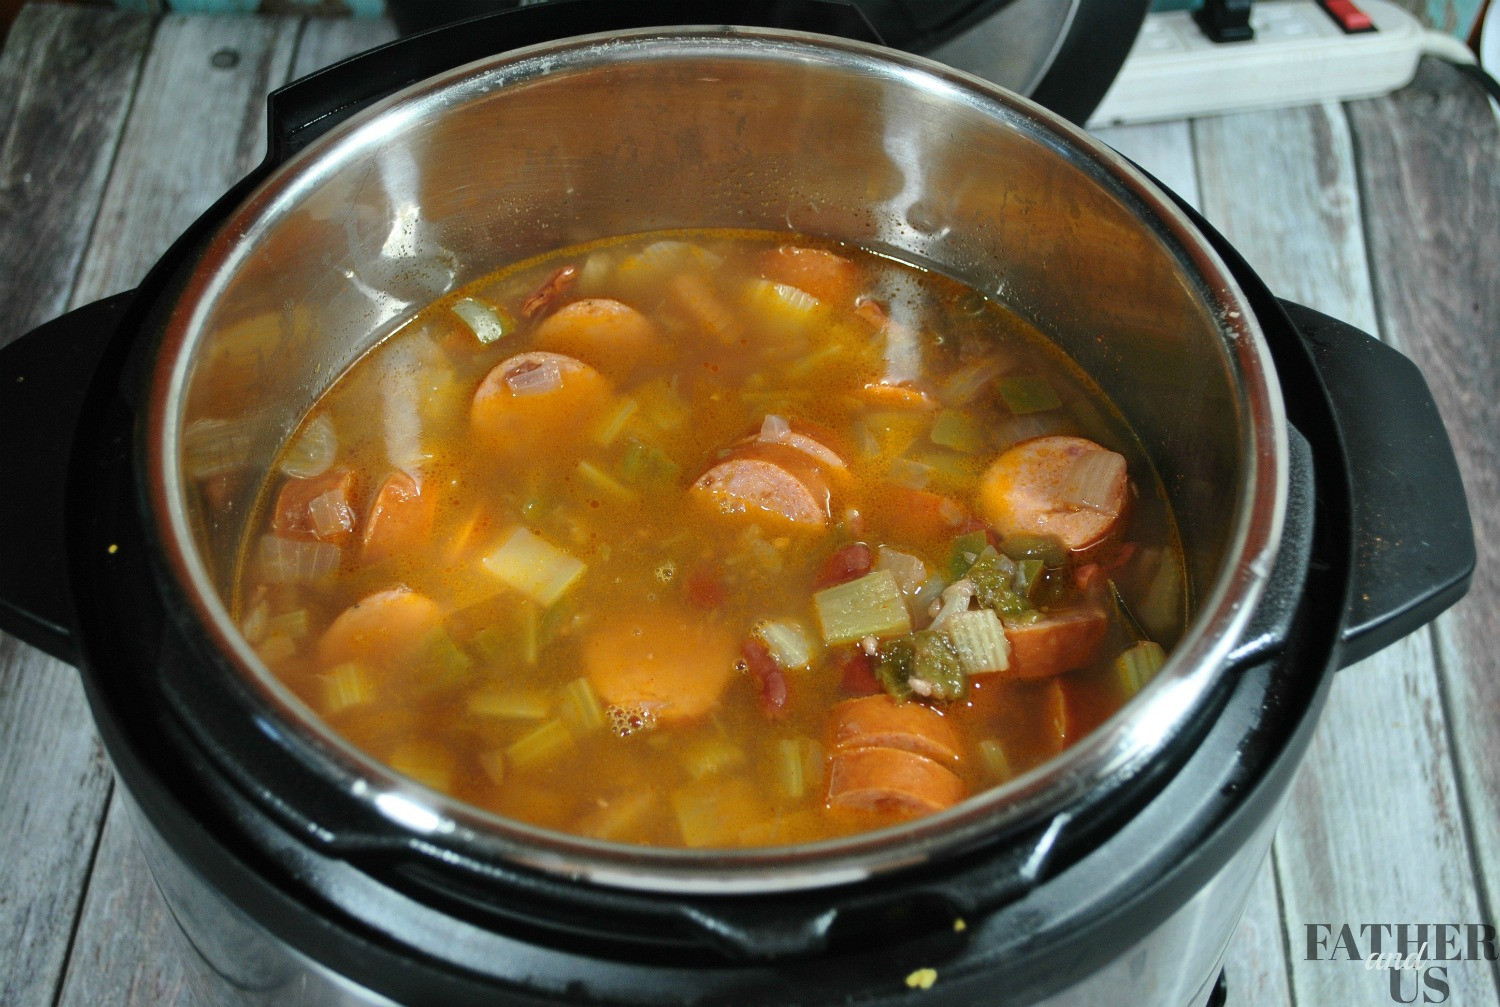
[1135, 666]
[979, 640]
[869, 606]
[534, 567]
[789, 642]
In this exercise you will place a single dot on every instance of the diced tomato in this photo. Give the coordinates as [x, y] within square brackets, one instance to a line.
[844, 564]
[856, 672]
[705, 588]
[769, 679]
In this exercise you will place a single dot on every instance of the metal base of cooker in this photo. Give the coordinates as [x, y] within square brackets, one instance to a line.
[233, 962]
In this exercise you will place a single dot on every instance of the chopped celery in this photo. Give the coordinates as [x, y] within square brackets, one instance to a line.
[979, 640]
[510, 703]
[959, 431]
[996, 761]
[533, 566]
[1135, 666]
[488, 323]
[619, 817]
[789, 642]
[966, 549]
[713, 811]
[799, 767]
[443, 658]
[948, 467]
[606, 483]
[869, 606]
[648, 465]
[807, 365]
[278, 648]
[923, 664]
[347, 685]
[424, 762]
[614, 423]
[711, 755]
[493, 764]
[581, 707]
[291, 624]
[539, 745]
[1028, 394]
[911, 474]
[1043, 547]
[1160, 610]
[895, 431]
[662, 406]
[529, 644]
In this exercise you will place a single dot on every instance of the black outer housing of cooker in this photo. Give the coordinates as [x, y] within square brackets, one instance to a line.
[236, 814]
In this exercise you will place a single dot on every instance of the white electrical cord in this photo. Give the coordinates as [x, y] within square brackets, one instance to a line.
[1446, 47]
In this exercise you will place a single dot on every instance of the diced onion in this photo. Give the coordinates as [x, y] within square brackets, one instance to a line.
[291, 561]
[314, 451]
[485, 320]
[776, 430]
[545, 377]
[789, 642]
[909, 571]
[331, 514]
[911, 474]
[955, 599]
[1092, 482]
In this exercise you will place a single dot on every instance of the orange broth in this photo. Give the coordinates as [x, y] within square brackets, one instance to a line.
[495, 684]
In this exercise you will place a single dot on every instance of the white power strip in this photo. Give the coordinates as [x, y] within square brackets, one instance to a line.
[1298, 56]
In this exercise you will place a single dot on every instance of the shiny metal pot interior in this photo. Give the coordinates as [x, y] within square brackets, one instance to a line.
[743, 128]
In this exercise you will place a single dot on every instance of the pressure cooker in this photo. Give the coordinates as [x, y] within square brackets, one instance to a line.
[1319, 504]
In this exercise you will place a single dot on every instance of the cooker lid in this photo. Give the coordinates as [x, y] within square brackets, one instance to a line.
[353, 235]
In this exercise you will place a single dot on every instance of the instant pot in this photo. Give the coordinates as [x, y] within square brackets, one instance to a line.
[1320, 508]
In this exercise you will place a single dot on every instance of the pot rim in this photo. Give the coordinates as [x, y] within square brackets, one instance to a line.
[1122, 747]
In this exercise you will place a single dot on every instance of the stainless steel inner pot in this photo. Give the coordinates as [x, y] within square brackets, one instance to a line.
[726, 127]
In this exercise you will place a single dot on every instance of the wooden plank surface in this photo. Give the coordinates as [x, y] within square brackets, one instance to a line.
[1341, 854]
[1255, 965]
[1428, 165]
[126, 952]
[67, 78]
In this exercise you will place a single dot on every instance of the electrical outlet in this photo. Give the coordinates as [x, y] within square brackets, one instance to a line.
[1298, 56]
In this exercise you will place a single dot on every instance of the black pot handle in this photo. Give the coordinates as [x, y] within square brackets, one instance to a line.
[1413, 551]
[44, 376]
[307, 108]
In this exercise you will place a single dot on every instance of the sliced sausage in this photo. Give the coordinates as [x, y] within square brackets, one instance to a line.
[768, 481]
[1062, 640]
[381, 629]
[1065, 487]
[318, 509]
[537, 401]
[881, 722]
[660, 662]
[400, 519]
[606, 333]
[826, 276]
[891, 780]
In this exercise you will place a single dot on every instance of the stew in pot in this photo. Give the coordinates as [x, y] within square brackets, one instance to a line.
[712, 539]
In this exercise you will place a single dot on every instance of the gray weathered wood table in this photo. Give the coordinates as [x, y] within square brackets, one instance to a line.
[116, 130]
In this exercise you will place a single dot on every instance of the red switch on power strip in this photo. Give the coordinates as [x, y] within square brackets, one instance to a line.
[1347, 16]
